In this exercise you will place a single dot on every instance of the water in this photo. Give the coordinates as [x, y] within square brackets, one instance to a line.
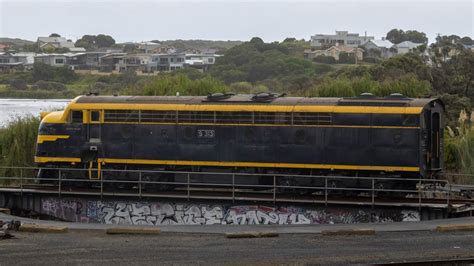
[12, 108]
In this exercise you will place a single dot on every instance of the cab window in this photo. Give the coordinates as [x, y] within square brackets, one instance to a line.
[95, 116]
[76, 117]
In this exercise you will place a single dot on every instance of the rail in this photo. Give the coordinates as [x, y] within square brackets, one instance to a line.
[227, 186]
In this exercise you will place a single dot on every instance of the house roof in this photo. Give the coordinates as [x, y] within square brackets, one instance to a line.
[407, 44]
[77, 49]
[381, 43]
[59, 40]
[52, 39]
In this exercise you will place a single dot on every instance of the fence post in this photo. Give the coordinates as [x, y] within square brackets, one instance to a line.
[102, 186]
[59, 182]
[326, 191]
[140, 185]
[274, 189]
[373, 192]
[449, 194]
[233, 187]
[188, 187]
[419, 194]
[21, 182]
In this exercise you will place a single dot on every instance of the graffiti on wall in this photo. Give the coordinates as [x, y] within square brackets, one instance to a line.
[164, 213]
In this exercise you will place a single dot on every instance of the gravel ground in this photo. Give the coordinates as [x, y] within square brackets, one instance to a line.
[95, 247]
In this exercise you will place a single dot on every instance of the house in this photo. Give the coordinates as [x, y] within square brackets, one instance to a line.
[54, 43]
[170, 62]
[200, 61]
[16, 61]
[382, 48]
[341, 37]
[77, 49]
[148, 47]
[110, 62]
[56, 60]
[406, 47]
[335, 52]
[4, 47]
[139, 62]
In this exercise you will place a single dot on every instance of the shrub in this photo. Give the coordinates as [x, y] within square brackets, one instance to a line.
[48, 86]
[324, 59]
[18, 84]
[17, 144]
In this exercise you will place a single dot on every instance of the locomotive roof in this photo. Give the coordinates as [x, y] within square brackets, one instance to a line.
[248, 99]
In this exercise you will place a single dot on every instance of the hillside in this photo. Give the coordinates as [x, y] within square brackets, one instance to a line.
[201, 44]
[15, 41]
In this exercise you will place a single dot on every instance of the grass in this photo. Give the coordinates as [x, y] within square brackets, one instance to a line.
[17, 145]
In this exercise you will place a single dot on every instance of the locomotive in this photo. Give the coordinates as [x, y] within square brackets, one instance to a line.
[392, 136]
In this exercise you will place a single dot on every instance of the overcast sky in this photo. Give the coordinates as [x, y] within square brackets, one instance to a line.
[230, 20]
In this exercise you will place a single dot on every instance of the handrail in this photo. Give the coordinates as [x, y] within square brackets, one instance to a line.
[137, 184]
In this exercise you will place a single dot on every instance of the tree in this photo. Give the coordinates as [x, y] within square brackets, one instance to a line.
[93, 41]
[129, 47]
[398, 35]
[466, 40]
[104, 40]
[289, 39]
[87, 42]
[416, 36]
[54, 35]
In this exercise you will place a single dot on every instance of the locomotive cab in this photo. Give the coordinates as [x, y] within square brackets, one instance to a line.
[432, 127]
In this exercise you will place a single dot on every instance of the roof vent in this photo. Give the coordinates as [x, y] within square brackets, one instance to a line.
[367, 95]
[396, 95]
[219, 96]
[267, 96]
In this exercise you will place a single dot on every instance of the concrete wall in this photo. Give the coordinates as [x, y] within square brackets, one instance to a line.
[161, 212]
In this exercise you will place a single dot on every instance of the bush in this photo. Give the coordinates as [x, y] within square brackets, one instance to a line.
[333, 88]
[48, 86]
[18, 84]
[345, 58]
[17, 144]
[324, 59]
[169, 84]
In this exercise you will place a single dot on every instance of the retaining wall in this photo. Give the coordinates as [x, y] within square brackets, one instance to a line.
[169, 212]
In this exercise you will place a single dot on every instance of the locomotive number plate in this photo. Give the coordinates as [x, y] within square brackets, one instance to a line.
[206, 133]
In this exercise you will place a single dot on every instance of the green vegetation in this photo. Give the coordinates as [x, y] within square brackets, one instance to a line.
[397, 36]
[90, 42]
[17, 145]
[221, 46]
[459, 153]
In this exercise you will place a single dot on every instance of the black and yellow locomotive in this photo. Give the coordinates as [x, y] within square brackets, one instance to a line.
[264, 133]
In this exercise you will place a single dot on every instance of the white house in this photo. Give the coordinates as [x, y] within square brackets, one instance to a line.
[382, 46]
[406, 47]
[341, 37]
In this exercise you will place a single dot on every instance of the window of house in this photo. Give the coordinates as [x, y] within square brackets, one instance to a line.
[210, 60]
[59, 61]
[172, 59]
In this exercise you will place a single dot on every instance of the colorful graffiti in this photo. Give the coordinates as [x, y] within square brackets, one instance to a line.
[166, 213]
